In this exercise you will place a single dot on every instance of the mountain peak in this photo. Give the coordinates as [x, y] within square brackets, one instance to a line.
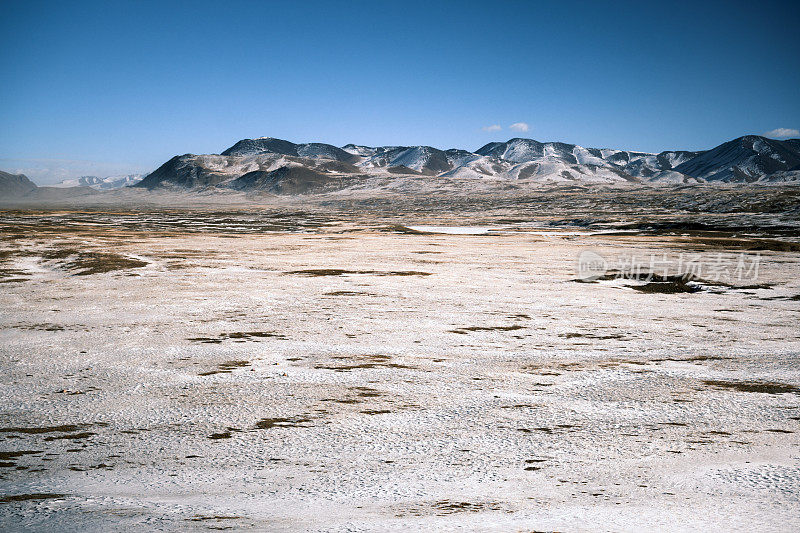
[246, 147]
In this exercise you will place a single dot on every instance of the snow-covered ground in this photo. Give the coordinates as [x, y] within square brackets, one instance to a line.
[285, 371]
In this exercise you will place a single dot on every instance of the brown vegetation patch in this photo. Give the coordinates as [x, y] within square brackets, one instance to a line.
[532, 465]
[732, 243]
[101, 466]
[556, 369]
[549, 431]
[342, 400]
[447, 507]
[695, 358]
[201, 518]
[40, 327]
[5, 456]
[226, 368]
[467, 329]
[71, 436]
[270, 423]
[361, 362]
[367, 392]
[345, 293]
[668, 285]
[66, 428]
[661, 284]
[318, 272]
[239, 336]
[765, 387]
[87, 263]
[592, 336]
[27, 497]
[11, 275]
[359, 394]
[218, 436]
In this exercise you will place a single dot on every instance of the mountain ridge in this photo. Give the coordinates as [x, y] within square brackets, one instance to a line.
[277, 166]
[747, 159]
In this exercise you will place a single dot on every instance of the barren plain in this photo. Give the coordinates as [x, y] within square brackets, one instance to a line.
[334, 364]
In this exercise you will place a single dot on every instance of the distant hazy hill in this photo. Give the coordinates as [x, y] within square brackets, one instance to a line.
[13, 185]
[282, 167]
[16, 187]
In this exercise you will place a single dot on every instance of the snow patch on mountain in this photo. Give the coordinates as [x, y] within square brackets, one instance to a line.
[102, 184]
[747, 159]
[363, 151]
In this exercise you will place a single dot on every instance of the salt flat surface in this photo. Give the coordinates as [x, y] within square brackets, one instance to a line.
[453, 230]
[347, 377]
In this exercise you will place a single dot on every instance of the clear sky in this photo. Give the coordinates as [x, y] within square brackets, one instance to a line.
[114, 87]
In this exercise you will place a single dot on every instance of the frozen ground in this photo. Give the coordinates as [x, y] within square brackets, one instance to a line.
[313, 370]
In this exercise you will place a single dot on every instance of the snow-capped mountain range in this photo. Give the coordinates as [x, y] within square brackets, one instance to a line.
[101, 184]
[278, 166]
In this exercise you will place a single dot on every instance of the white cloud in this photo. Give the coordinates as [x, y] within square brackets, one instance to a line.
[519, 126]
[493, 127]
[783, 133]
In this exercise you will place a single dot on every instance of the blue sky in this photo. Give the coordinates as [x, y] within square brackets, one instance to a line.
[108, 87]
